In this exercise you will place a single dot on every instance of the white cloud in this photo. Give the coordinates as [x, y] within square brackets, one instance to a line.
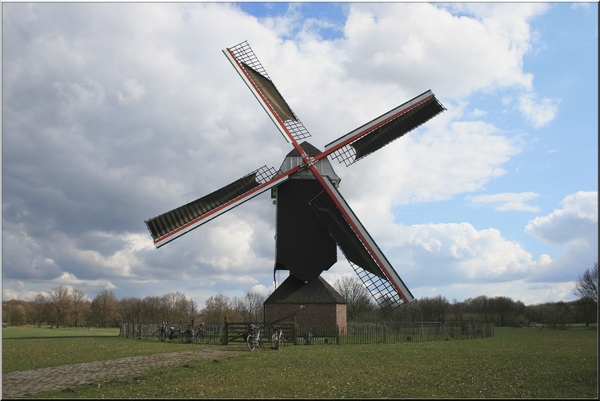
[577, 219]
[386, 48]
[7, 295]
[476, 113]
[261, 289]
[454, 253]
[576, 227]
[538, 112]
[69, 280]
[508, 201]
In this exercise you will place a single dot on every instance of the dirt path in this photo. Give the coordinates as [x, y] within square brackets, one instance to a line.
[30, 382]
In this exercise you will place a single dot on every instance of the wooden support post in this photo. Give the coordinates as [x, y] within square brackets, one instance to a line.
[294, 328]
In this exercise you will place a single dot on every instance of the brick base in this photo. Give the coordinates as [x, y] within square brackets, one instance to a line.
[311, 315]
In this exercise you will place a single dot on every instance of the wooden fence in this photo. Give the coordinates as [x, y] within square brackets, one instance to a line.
[353, 333]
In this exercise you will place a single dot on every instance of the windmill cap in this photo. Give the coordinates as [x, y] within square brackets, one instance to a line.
[293, 159]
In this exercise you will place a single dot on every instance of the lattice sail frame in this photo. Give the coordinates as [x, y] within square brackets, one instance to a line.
[384, 129]
[391, 277]
[179, 221]
[380, 289]
[244, 55]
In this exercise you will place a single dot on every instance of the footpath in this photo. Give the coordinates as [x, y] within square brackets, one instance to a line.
[31, 382]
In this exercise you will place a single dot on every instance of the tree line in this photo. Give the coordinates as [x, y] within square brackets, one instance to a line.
[66, 306]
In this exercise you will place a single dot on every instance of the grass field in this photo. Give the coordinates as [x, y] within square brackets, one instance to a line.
[515, 363]
[46, 332]
[28, 347]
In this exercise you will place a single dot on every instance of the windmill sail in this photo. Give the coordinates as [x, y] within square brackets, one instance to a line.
[266, 86]
[384, 129]
[245, 62]
[360, 249]
[177, 222]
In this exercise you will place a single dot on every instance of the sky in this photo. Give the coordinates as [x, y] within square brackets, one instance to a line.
[113, 113]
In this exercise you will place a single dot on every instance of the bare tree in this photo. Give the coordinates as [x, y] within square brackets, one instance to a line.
[587, 286]
[413, 311]
[175, 306]
[356, 296]
[61, 301]
[587, 311]
[105, 307]
[151, 310]
[255, 302]
[501, 307]
[587, 291]
[192, 308]
[131, 309]
[18, 315]
[182, 307]
[78, 306]
[557, 315]
[39, 306]
[434, 309]
[216, 308]
[481, 306]
[458, 310]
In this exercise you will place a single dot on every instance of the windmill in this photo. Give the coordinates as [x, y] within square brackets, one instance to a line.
[313, 219]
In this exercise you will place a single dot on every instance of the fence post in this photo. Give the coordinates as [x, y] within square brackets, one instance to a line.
[226, 333]
[294, 327]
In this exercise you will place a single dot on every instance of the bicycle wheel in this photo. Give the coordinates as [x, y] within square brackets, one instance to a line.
[175, 335]
[159, 335]
[186, 337]
[202, 337]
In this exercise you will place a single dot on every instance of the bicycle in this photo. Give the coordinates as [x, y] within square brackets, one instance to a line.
[254, 338]
[162, 333]
[188, 335]
[201, 336]
[275, 337]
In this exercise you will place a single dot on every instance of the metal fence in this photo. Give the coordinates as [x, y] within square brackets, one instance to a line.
[352, 333]
[393, 332]
[146, 330]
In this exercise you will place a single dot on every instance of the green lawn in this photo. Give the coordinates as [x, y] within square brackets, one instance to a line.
[31, 348]
[45, 331]
[515, 363]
